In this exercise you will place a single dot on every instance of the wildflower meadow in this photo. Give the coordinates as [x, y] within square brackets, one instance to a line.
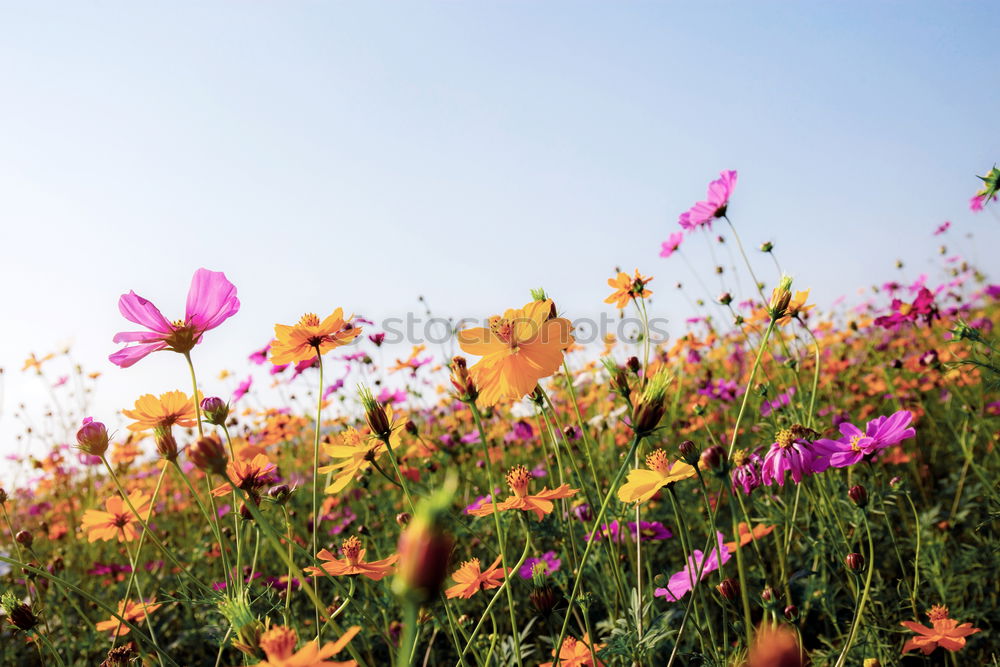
[784, 481]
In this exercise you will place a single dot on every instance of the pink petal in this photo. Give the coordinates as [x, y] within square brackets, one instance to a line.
[137, 337]
[211, 300]
[127, 356]
[141, 311]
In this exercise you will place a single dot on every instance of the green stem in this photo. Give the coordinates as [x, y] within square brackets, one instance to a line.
[864, 597]
[317, 519]
[746, 393]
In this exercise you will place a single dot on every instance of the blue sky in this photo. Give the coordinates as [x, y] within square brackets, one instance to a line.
[361, 154]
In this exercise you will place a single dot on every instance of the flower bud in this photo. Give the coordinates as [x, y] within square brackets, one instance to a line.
[375, 414]
[633, 364]
[411, 428]
[791, 612]
[216, 410]
[403, 518]
[725, 298]
[729, 589]
[424, 546]
[24, 538]
[465, 388]
[767, 246]
[781, 296]
[854, 561]
[543, 599]
[767, 595]
[166, 445]
[651, 405]
[280, 493]
[92, 437]
[3, 496]
[209, 455]
[22, 617]
[714, 458]
[858, 495]
[689, 452]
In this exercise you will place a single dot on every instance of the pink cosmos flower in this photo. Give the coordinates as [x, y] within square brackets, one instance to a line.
[976, 203]
[942, 228]
[704, 212]
[242, 388]
[855, 444]
[672, 243]
[211, 301]
[681, 583]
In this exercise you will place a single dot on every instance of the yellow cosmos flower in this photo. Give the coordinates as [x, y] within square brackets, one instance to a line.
[356, 451]
[173, 407]
[643, 484]
[302, 341]
[518, 349]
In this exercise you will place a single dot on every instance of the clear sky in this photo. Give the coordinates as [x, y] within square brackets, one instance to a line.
[360, 154]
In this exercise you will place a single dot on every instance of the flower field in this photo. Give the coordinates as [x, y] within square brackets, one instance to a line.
[779, 483]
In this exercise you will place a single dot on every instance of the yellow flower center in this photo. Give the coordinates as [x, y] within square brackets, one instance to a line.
[517, 480]
[279, 643]
[785, 438]
[309, 320]
[351, 549]
[904, 309]
[739, 457]
[854, 443]
[657, 460]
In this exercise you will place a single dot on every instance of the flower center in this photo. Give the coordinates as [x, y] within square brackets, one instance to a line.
[122, 520]
[739, 457]
[517, 480]
[351, 549]
[937, 613]
[279, 643]
[785, 438]
[503, 328]
[309, 320]
[657, 460]
[854, 443]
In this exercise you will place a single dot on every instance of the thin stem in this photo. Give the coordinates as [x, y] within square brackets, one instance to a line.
[317, 519]
[746, 393]
[864, 597]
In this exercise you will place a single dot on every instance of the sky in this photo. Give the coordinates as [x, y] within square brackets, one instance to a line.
[363, 154]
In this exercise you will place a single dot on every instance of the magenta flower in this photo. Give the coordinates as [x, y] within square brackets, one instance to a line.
[211, 301]
[548, 559]
[681, 583]
[672, 243]
[649, 530]
[855, 444]
[790, 452]
[942, 228]
[922, 307]
[704, 212]
[746, 474]
[242, 388]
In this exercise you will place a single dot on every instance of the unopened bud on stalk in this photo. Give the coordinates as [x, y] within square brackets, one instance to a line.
[543, 598]
[858, 495]
[780, 298]
[425, 547]
[403, 518]
[375, 414]
[729, 589]
[714, 458]
[652, 404]
[410, 427]
[791, 612]
[633, 364]
[725, 298]
[3, 496]
[92, 437]
[209, 455]
[767, 246]
[689, 452]
[166, 445]
[767, 595]
[854, 561]
[18, 613]
[280, 493]
[24, 538]
[216, 410]
[465, 388]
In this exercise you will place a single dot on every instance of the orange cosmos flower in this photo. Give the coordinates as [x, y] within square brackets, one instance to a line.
[173, 407]
[353, 562]
[279, 642]
[775, 646]
[746, 536]
[356, 451]
[577, 653]
[34, 362]
[472, 579]
[644, 484]
[519, 349]
[303, 341]
[540, 503]
[133, 612]
[118, 521]
[627, 288]
[946, 632]
[250, 474]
